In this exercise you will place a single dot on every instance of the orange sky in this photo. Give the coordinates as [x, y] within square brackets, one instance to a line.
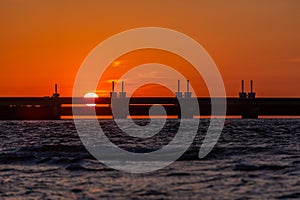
[45, 42]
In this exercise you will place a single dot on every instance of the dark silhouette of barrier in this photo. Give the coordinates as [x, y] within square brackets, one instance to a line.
[246, 105]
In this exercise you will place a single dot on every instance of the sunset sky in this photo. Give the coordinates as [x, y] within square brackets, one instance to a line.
[45, 42]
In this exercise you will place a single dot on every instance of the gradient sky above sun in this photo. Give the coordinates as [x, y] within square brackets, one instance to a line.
[45, 42]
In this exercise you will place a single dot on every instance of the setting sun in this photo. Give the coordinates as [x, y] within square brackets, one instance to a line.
[90, 95]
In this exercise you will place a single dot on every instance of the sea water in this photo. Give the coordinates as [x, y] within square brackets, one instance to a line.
[257, 158]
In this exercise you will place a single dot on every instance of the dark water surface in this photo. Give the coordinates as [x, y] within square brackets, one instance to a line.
[252, 159]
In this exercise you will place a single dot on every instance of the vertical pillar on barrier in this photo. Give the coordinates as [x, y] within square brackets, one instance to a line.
[185, 103]
[119, 103]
